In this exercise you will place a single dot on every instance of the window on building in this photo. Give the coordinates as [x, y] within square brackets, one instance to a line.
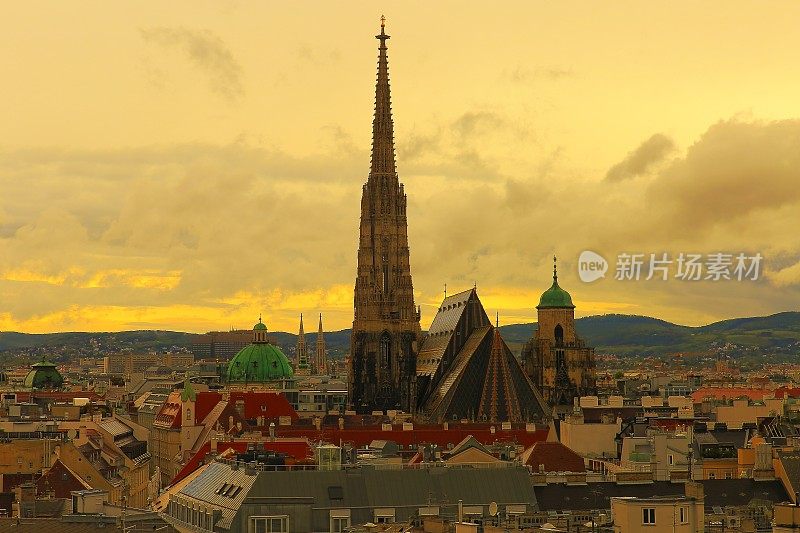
[269, 524]
[340, 520]
[728, 475]
[712, 475]
[671, 459]
[684, 515]
[384, 516]
[648, 515]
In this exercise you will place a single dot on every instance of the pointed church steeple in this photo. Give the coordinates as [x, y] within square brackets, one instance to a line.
[302, 350]
[383, 161]
[321, 359]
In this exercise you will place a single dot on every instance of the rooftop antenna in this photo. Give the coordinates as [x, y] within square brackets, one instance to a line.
[445, 291]
[497, 319]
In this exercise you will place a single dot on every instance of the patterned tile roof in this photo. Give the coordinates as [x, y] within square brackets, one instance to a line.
[554, 456]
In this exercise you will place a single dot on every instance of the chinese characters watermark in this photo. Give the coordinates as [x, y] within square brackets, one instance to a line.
[718, 266]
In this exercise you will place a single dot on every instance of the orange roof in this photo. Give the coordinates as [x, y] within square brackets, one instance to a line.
[727, 393]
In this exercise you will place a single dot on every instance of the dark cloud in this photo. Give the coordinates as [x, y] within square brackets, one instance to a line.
[644, 158]
[206, 51]
[477, 122]
[734, 171]
[527, 75]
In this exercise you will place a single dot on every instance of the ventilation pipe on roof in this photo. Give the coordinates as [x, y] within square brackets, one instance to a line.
[272, 431]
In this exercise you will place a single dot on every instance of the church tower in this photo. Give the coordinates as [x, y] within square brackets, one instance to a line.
[321, 356]
[386, 321]
[302, 350]
[559, 362]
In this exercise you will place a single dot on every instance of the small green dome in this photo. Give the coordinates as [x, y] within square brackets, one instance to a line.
[260, 326]
[555, 296]
[43, 375]
[258, 363]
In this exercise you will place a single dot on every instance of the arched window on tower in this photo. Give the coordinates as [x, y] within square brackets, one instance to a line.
[385, 258]
[386, 352]
[559, 335]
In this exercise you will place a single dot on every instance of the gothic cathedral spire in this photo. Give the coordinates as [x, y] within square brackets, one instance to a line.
[383, 161]
[321, 356]
[302, 350]
[386, 322]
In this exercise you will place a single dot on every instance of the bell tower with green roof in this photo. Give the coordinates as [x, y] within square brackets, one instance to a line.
[557, 360]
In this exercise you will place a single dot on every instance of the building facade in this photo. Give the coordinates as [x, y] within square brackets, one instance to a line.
[386, 321]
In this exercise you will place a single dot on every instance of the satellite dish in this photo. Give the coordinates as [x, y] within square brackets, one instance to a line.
[493, 508]
[72, 433]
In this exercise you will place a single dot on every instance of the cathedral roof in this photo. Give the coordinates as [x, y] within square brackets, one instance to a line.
[440, 332]
[479, 378]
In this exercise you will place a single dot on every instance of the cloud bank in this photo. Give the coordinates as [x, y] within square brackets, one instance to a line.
[201, 236]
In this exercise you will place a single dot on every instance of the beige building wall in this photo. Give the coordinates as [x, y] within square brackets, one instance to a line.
[742, 411]
[590, 440]
[665, 515]
[787, 518]
[135, 475]
[25, 456]
[165, 445]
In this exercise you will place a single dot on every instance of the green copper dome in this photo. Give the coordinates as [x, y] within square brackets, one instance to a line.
[555, 296]
[260, 361]
[43, 375]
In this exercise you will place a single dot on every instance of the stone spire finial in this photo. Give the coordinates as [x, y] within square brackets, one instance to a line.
[383, 161]
[555, 270]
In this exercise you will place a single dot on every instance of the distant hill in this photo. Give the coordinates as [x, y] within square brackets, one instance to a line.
[642, 335]
[144, 339]
[620, 334]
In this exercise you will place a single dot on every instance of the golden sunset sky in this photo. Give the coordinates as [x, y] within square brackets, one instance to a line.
[187, 165]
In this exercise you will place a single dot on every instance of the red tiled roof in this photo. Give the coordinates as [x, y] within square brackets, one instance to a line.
[59, 396]
[554, 456]
[419, 435]
[787, 392]
[270, 405]
[728, 393]
[169, 416]
[295, 450]
[60, 480]
[204, 403]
